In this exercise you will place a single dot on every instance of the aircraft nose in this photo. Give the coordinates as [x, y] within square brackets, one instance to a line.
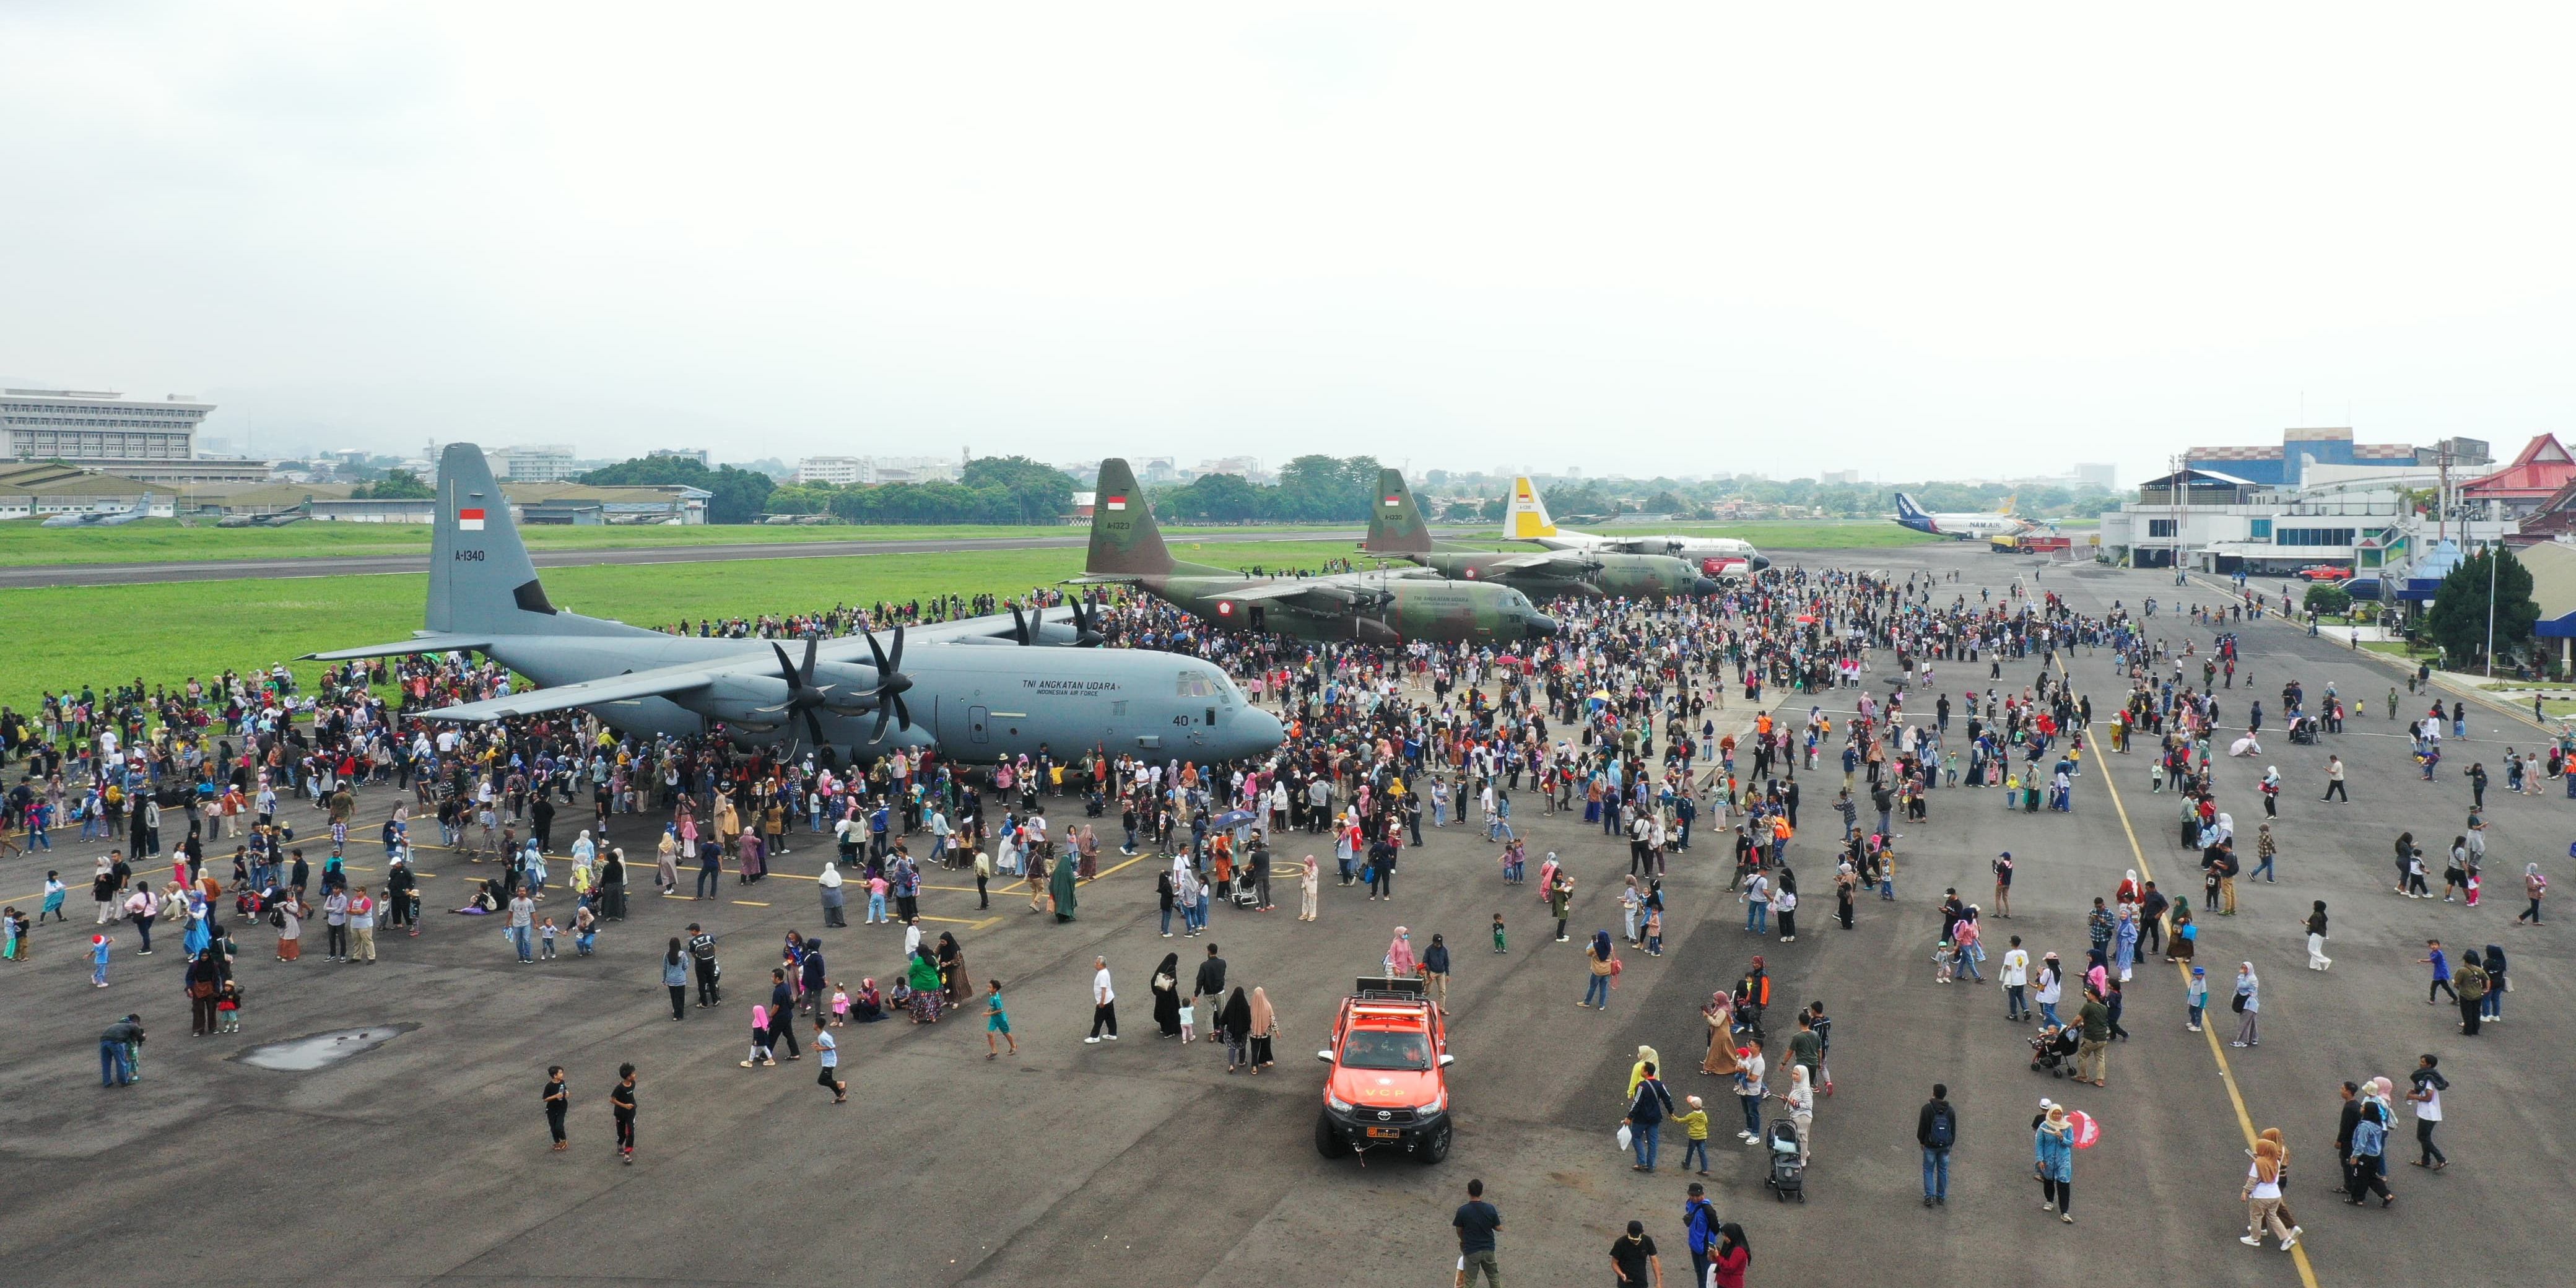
[1540, 626]
[1706, 586]
[1257, 730]
[1761, 562]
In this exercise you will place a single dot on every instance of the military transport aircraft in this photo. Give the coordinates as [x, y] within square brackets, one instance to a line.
[103, 518]
[1396, 528]
[1525, 519]
[963, 687]
[1372, 607]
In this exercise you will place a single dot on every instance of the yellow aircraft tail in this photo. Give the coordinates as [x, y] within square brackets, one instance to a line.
[2006, 508]
[1524, 515]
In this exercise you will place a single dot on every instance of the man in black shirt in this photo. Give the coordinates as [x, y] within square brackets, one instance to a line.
[1477, 1222]
[1633, 1255]
[702, 953]
[558, 1103]
[1208, 993]
[621, 1104]
[782, 1013]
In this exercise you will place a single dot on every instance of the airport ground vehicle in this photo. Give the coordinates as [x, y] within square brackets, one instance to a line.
[2325, 572]
[1389, 1086]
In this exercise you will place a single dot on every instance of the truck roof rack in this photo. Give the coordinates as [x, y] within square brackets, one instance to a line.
[1405, 986]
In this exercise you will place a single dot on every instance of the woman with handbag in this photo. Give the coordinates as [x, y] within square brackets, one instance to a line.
[204, 981]
[1602, 962]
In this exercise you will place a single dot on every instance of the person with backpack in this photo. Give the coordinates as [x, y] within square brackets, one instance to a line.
[1936, 1129]
[1645, 1119]
[1701, 1229]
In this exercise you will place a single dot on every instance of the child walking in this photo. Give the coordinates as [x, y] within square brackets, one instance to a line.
[759, 1039]
[997, 1020]
[228, 1009]
[1189, 1022]
[2196, 996]
[1498, 932]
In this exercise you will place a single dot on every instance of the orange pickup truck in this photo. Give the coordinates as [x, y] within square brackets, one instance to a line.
[1389, 1084]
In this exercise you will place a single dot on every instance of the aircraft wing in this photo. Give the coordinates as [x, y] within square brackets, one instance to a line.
[988, 626]
[659, 682]
[423, 643]
[1534, 560]
[1321, 591]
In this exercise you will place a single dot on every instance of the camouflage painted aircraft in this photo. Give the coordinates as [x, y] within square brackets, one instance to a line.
[969, 687]
[1396, 528]
[1372, 607]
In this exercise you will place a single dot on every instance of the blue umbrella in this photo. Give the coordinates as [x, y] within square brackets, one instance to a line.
[1233, 818]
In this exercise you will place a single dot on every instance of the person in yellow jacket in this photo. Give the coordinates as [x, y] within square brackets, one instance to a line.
[1695, 1121]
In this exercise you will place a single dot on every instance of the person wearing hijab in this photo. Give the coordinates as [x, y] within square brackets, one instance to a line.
[834, 904]
[1801, 1100]
[666, 861]
[952, 970]
[1400, 962]
[1166, 988]
[2493, 1007]
[868, 1006]
[2053, 1158]
[2534, 887]
[1308, 876]
[1727, 1261]
[1646, 1059]
[2248, 1003]
[922, 974]
[1060, 886]
[2262, 1197]
[612, 885]
[1720, 1014]
[1234, 1024]
[1598, 959]
[1265, 1026]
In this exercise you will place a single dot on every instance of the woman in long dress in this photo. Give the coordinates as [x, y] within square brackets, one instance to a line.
[1060, 884]
[1167, 996]
[1720, 1014]
[1265, 1026]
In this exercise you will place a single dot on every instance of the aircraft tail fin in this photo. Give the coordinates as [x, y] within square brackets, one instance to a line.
[1395, 521]
[1912, 516]
[2006, 508]
[481, 581]
[1124, 539]
[1525, 515]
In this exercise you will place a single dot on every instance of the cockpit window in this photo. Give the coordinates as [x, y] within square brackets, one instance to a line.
[1197, 684]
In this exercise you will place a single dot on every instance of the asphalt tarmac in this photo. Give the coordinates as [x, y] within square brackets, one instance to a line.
[1144, 1163]
[127, 574]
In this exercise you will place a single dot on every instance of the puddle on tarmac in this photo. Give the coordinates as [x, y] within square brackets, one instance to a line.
[305, 1054]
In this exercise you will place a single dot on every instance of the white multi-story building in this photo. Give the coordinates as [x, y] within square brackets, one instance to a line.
[152, 440]
[540, 463]
[698, 454]
[836, 471]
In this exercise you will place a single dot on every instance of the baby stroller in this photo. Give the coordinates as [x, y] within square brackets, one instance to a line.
[2053, 1050]
[1244, 893]
[2303, 731]
[1788, 1175]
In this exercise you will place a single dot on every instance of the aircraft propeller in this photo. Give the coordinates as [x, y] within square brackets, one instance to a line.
[891, 682]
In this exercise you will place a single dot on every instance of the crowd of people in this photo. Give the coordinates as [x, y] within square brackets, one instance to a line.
[1624, 717]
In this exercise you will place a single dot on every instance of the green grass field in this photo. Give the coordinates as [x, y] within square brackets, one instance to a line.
[61, 638]
[163, 540]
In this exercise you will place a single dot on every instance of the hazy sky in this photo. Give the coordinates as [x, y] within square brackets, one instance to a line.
[1917, 240]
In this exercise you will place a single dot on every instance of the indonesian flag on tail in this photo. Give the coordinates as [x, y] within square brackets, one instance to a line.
[470, 520]
[1394, 503]
[1118, 502]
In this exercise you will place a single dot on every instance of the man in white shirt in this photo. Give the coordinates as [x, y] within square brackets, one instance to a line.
[2014, 977]
[1104, 1002]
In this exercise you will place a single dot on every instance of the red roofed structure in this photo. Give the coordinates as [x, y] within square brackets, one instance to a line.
[2526, 485]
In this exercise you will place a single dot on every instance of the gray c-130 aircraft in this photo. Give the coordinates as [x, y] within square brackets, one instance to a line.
[961, 687]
